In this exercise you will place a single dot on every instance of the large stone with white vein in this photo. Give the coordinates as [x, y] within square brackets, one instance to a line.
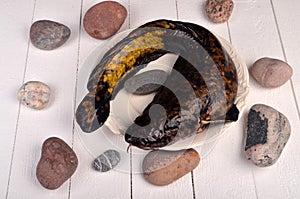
[267, 133]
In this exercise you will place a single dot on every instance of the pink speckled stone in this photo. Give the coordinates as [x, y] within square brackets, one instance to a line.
[219, 11]
[34, 95]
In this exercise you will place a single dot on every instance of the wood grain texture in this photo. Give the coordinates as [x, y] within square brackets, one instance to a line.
[57, 69]
[14, 45]
[89, 183]
[214, 177]
[287, 17]
[256, 28]
[141, 12]
[256, 36]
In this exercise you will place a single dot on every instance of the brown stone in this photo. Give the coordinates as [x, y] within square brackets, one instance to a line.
[57, 164]
[271, 73]
[219, 11]
[104, 19]
[48, 35]
[164, 167]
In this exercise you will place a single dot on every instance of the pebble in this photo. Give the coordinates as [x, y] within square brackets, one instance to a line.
[104, 19]
[34, 94]
[267, 134]
[219, 11]
[48, 35]
[164, 167]
[271, 73]
[57, 164]
[107, 161]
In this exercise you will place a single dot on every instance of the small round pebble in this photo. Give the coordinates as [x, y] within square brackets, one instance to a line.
[48, 35]
[104, 19]
[57, 164]
[219, 11]
[162, 167]
[107, 161]
[271, 73]
[34, 94]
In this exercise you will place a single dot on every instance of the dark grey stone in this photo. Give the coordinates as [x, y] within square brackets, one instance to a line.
[257, 129]
[107, 161]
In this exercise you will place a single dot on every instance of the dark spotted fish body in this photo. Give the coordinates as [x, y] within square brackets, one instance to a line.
[207, 97]
[187, 111]
[136, 50]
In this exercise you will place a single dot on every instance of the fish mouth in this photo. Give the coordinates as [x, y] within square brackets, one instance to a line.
[147, 138]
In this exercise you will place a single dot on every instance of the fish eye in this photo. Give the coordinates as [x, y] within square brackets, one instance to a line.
[154, 135]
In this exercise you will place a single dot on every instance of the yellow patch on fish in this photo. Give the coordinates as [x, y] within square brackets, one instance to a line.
[126, 59]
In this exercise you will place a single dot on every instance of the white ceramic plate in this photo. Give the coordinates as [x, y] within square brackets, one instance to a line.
[110, 136]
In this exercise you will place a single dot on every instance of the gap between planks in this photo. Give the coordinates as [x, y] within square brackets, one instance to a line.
[285, 56]
[75, 90]
[19, 110]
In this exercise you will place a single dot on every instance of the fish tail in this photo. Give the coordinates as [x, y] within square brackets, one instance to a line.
[93, 111]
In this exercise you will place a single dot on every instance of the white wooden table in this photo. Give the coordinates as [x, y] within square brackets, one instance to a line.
[257, 28]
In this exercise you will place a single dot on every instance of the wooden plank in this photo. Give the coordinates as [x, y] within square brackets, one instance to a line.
[194, 11]
[141, 12]
[287, 18]
[256, 36]
[16, 19]
[57, 68]
[89, 183]
[222, 172]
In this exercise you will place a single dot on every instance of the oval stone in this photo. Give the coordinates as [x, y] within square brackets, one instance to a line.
[107, 161]
[57, 164]
[271, 73]
[219, 11]
[34, 94]
[164, 167]
[267, 133]
[104, 19]
[48, 35]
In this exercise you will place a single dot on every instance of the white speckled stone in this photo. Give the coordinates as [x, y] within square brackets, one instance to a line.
[107, 161]
[267, 133]
[34, 95]
[271, 73]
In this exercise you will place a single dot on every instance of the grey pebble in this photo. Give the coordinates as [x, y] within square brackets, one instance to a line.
[107, 161]
[267, 133]
[48, 35]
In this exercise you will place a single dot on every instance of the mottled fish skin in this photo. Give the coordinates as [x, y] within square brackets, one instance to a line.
[92, 112]
[211, 60]
[184, 119]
